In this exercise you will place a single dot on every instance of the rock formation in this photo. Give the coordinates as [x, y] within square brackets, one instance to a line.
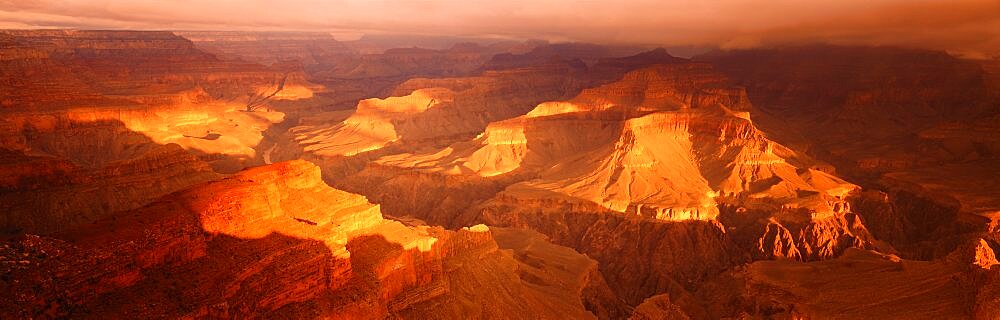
[41, 195]
[658, 307]
[919, 125]
[275, 240]
[314, 51]
[439, 111]
[886, 286]
[375, 75]
[188, 175]
[540, 53]
[153, 83]
[669, 150]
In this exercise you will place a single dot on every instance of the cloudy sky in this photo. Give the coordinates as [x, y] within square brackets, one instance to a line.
[962, 26]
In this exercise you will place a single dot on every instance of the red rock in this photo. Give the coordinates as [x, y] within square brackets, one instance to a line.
[592, 171]
[42, 195]
[657, 307]
[271, 240]
[645, 186]
[918, 125]
[154, 83]
[886, 285]
[312, 50]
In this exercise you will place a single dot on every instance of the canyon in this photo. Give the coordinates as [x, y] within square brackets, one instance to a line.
[231, 174]
[932, 146]
[276, 240]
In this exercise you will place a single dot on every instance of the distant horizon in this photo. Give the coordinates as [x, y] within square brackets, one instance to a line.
[436, 159]
[683, 51]
[969, 28]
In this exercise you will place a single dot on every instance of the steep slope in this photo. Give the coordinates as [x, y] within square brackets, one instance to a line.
[274, 241]
[375, 75]
[425, 112]
[667, 157]
[858, 285]
[434, 112]
[559, 282]
[154, 83]
[918, 125]
[41, 195]
[314, 51]
[55, 68]
[658, 307]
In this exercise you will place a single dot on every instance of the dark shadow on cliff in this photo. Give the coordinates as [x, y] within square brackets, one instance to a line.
[159, 261]
[78, 172]
[573, 78]
[640, 257]
[913, 127]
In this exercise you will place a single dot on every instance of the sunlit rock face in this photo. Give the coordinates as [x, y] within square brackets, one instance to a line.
[146, 175]
[921, 101]
[224, 134]
[377, 74]
[428, 112]
[669, 149]
[424, 112]
[381, 74]
[372, 125]
[153, 83]
[66, 66]
[919, 125]
[657, 307]
[620, 145]
[275, 240]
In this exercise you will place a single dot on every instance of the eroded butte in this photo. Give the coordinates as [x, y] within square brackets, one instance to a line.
[225, 174]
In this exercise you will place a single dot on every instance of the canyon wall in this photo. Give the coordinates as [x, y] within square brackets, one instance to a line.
[506, 180]
[62, 82]
[275, 240]
[925, 119]
[895, 288]
[313, 51]
[650, 159]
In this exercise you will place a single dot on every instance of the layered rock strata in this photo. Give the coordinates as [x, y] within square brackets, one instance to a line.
[954, 288]
[276, 241]
[435, 112]
[41, 195]
[667, 157]
[154, 83]
[917, 125]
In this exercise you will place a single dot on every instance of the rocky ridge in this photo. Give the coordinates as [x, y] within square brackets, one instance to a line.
[667, 149]
[925, 117]
[276, 240]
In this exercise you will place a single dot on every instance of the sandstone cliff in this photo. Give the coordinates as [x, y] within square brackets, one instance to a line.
[154, 83]
[664, 150]
[518, 180]
[375, 75]
[41, 194]
[887, 287]
[276, 240]
[918, 125]
[440, 111]
[314, 51]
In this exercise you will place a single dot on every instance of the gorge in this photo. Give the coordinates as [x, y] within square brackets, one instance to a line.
[232, 174]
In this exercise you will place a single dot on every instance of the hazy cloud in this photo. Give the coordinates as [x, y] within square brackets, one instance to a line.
[970, 26]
